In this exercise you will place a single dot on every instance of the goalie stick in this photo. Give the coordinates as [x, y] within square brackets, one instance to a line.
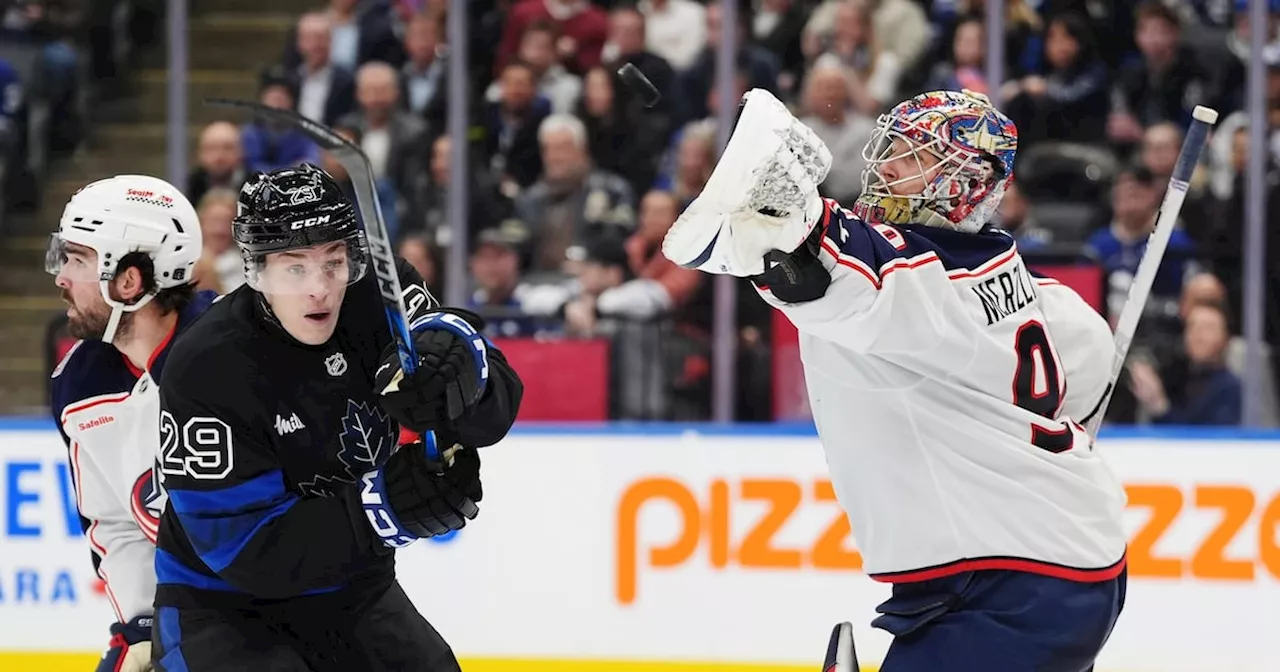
[1202, 120]
[356, 164]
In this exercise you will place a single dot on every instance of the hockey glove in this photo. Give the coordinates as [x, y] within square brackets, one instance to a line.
[762, 196]
[453, 370]
[412, 497]
[130, 649]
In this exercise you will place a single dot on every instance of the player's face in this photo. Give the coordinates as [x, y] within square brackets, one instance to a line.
[908, 170]
[305, 289]
[87, 311]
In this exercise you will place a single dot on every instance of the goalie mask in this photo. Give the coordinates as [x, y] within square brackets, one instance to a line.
[292, 210]
[942, 158]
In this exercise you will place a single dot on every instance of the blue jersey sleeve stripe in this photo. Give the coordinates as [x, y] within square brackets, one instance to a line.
[852, 238]
[219, 539]
[256, 493]
[170, 570]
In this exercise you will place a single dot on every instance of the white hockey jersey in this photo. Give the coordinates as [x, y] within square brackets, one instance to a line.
[108, 412]
[947, 384]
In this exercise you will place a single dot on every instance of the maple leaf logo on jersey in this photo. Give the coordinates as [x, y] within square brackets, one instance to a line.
[368, 438]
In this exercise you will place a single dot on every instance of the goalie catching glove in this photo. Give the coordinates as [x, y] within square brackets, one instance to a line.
[757, 216]
[453, 371]
[412, 497]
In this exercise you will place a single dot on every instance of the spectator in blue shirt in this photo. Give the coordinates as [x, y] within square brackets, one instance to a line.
[1211, 394]
[268, 145]
[1135, 199]
[10, 103]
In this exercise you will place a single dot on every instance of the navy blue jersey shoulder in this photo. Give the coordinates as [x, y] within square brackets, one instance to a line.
[93, 368]
[955, 249]
[878, 245]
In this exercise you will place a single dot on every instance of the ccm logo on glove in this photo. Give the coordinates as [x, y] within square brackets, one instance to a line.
[452, 373]
[376, 508]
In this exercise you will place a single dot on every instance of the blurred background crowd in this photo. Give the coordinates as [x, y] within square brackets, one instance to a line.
[573, 182]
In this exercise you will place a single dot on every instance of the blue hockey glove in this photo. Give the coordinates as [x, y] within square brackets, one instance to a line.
[413, 497]
[453, 371]
[130, 649]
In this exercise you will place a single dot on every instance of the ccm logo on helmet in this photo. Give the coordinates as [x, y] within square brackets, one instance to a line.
[309, 222]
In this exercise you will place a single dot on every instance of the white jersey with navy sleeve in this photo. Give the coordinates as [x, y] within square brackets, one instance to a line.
[108, 412]
[947, 384]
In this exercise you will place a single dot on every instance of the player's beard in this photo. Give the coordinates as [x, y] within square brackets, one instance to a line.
[90, 322]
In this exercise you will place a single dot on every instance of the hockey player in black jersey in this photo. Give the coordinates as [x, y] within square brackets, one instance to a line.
[287, 493]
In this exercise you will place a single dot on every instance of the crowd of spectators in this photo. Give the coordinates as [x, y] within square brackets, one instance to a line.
[573, 181]
[55, 56]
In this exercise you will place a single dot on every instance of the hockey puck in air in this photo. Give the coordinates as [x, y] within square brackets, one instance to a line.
[637, 82]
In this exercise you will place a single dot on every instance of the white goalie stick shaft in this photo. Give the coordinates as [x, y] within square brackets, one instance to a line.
[1203, 119]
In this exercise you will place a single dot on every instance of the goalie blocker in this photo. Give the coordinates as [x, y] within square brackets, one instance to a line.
[288, 493]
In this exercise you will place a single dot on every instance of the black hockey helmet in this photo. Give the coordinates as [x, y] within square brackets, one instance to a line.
[292, 209]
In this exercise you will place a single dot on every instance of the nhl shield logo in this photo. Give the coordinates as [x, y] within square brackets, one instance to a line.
[335, 364]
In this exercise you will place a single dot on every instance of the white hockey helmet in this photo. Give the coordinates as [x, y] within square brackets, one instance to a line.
[124, 214]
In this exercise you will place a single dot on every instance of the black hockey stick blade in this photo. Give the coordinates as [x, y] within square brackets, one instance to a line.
[357, 166]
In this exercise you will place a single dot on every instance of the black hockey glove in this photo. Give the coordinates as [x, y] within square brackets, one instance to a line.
[453, 370]
[412, 497]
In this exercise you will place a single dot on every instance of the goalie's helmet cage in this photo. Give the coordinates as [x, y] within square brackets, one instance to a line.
[974, 144]
[292, 209]
[125, 214]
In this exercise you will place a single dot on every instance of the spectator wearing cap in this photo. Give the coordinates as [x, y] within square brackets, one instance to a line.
[1135, 199]
[392, 138]
[573, 201]
[268, 144]
[499, 294]
[537, 49]
[829, 112]
[361, 31]
[219, 161]
[583, 28]
[326, 91]
[1164, 84]
[511, 130]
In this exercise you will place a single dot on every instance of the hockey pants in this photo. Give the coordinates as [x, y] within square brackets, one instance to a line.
[999, 620]
[390, 635]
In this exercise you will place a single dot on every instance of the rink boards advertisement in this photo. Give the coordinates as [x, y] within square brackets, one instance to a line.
[680, 549]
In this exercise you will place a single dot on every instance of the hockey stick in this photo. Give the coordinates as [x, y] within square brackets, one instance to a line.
[357, 166]
[1203, 118]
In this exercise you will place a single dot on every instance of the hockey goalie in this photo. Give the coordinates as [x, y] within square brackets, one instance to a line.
[949, 384]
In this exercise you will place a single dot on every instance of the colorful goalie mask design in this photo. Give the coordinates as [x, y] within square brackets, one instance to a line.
[974, 146]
